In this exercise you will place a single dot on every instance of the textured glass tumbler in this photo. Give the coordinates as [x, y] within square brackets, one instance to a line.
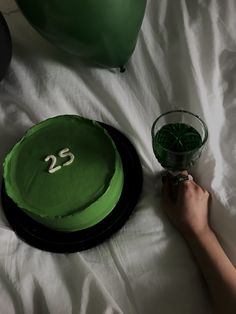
[178, 138]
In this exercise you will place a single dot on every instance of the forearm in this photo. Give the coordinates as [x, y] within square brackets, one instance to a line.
[217, 269]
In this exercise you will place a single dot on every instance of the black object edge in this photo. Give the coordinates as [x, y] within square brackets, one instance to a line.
[6, 47]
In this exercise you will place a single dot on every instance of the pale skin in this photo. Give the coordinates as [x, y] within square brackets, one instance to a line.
[187, 207]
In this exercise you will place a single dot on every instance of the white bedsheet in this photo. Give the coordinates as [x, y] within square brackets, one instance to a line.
[185, 58]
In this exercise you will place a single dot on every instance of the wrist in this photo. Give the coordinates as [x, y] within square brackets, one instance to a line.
[192, 234]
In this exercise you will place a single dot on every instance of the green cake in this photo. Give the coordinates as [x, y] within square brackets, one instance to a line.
[65, 173]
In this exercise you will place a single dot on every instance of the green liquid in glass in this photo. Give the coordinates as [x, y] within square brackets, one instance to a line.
[176, 146]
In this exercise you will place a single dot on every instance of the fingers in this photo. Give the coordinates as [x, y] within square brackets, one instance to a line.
[184, 173]
[190, 188]
[194, 184]
[173, 189]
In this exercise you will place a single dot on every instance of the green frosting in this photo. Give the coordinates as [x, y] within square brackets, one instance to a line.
[77, 195]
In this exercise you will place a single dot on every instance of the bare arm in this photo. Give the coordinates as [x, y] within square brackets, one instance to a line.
[188, 211]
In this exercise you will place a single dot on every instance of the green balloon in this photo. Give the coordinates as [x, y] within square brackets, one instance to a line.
[102, 31]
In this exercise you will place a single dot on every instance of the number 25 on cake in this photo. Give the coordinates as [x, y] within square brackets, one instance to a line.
[65, 173]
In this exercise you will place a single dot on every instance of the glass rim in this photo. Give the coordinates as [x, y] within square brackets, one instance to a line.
[190, 113]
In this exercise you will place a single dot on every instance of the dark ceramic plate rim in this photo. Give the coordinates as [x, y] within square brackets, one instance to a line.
[41, 237]
[6, 46]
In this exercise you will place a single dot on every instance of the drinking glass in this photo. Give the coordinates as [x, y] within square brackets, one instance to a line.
[182, 148]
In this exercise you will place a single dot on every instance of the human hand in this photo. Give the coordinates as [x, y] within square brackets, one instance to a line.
[186, 205]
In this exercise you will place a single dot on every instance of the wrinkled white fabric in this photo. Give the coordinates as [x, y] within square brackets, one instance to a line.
[185, 58]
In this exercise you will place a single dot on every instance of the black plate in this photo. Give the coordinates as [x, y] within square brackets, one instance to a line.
[5, 46]
[47, 239]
